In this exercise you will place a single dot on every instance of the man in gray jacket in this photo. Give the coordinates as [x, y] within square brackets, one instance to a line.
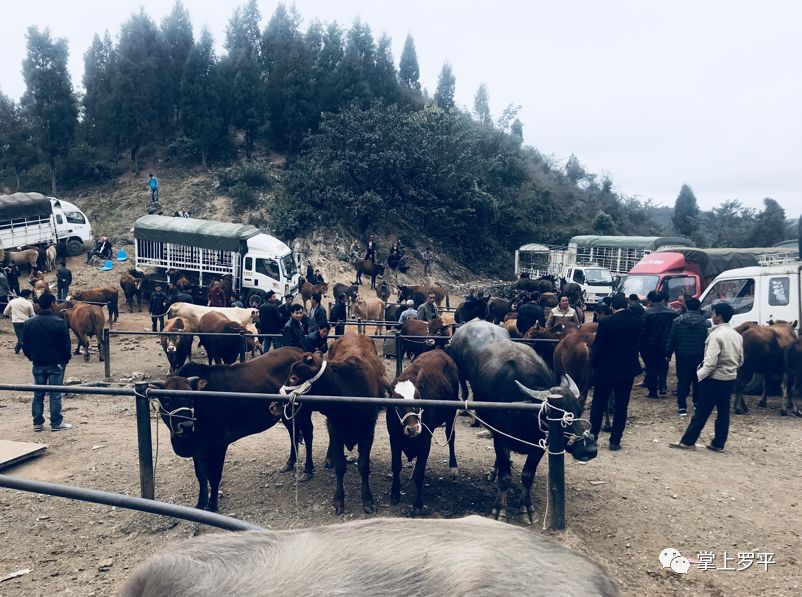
[724, 354]
[687, 342]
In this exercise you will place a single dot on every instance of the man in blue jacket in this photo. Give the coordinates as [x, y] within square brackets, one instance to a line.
[46, 343]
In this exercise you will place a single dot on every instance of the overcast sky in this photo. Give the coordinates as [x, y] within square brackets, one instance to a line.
[654, 95]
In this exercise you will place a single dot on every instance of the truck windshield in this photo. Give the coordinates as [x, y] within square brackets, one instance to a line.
[75, 217]
[288, 263]
[738, 293]
[639, 284]
[598, 277]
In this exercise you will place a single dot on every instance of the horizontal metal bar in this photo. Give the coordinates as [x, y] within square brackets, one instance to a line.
[333, 324]
[129, 502]
[78, 389]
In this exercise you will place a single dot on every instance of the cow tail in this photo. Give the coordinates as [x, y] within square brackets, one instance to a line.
[448, 305]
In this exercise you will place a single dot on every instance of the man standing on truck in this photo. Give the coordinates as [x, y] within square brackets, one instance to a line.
[687, 341]
[657, 320]
[724, 355]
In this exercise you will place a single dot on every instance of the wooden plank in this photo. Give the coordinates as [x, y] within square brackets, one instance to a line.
[14, 452]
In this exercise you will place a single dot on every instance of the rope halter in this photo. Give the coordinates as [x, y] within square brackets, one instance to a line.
[298, 390]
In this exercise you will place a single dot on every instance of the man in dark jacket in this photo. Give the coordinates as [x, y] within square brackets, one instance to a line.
[157, 308]
[635, 306]
[339, 313]
[46, 343]
[63, 280]
[284, 309]
[270, 322]
[529, 313]
[12, 274]
[179, 296]
[615, 364]
[370, 252]
[317, 340]
[687, 341]
[657, 320]
[293, 334]
[317, 313]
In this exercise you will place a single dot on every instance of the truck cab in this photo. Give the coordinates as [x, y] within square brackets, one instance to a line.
[72, 226]
[268, 265]
[759, 293]
[666, 271]
[596, 282]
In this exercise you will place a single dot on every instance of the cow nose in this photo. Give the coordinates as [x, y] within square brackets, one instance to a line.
[412, 430]
[185, 428]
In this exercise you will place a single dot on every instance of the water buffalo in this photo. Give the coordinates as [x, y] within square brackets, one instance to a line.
[348, 290]
[466, 311]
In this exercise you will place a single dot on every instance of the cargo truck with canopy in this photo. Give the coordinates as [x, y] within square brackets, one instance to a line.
[30, 219]
[207, 250]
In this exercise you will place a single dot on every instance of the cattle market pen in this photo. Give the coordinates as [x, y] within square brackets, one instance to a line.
[143, 394]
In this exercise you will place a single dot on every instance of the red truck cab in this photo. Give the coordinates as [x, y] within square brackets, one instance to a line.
[667, 271]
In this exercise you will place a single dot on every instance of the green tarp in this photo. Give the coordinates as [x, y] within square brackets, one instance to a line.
[24, 205]
[205, 234]
[647, 243]
[712, 262]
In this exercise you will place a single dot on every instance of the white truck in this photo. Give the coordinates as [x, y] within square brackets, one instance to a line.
[769, 291]
[206, 250]
[28, 219]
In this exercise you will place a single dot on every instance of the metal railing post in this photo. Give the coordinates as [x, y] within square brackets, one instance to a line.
[107, 354]
[147, 482]
[556, 449]
[399, 355]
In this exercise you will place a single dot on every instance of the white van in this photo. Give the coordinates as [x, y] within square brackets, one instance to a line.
[759, 293]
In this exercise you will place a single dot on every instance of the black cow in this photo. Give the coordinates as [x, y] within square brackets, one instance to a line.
[202, 428]
[502, 370]
[466, 311]
[433, 376]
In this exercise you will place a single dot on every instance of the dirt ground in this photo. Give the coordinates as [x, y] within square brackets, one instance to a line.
[622, 508]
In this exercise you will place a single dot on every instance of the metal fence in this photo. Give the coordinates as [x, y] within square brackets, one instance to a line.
[142, 394]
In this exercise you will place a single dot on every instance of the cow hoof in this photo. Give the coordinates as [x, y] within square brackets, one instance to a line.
[339, 509]
[368, 508]
[491, 475]
[454, 472]
[417, 512]
[395, 498]
[783, 412]
[762, 405]
[305, 477]
[287, 468]
[741, 411]
[500, 514]
[527, 515]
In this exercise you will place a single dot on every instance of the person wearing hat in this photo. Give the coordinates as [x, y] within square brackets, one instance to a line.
[410, 311]
[339, 313]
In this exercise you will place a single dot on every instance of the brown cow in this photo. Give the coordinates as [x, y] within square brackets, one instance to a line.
[307, 290]
[371, 309]
[86, 321]
[793, 376]
[348, 290]
[433, 376]
[22, 258]
[572, 357]
[50, 258]
[131, 283]
[40, 287]
[383, 291]
[353, 369]
[416, 327]
[109, 296]
[177, 347]
[366, 266]
[764, 349]
[419, 293]
[179, 279]
[220, 349]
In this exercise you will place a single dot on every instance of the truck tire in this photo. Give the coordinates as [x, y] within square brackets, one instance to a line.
[256, 298]
[74, 247]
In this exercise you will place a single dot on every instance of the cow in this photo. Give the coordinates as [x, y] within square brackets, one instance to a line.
[194, 313]
[364, 558]
[497, 308]
[545, 348]
[574, 293]
[220, 349]
[22, 258]
[433, 376]
[349, 290]
[393, 313]
[352, 369]
[307, 290]
[252, 343]
[372, 269]
[416, 327]
[530, 285]
[85, 321]
[501, 370]
[41, 287]
[177, 347]
[202, 428]
[131, 283]
[383, 291]
[764, 348]
[419, 293]
[108, 295]
[179, 279]
[371, 309]
[50, 258]
[572, 357]
[466, 311]
[793, 376]
[548, 300]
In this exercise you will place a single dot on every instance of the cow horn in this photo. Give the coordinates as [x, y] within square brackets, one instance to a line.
[157, 383]
[568, 383]
[536, 394]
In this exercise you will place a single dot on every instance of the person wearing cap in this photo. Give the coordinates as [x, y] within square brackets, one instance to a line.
[410, 311]
[339, 313]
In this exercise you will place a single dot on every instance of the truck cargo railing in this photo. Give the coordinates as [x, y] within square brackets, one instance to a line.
[195, 259]
[767, 259]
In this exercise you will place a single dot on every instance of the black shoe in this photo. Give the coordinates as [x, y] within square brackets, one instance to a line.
[663, 392]
[714, 448]
[614, 447]
[682, 412]
[17, 349]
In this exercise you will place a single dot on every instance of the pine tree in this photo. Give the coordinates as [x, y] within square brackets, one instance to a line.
[481, 105]
[100, 118]
[201, 117]
[48, 98]
[574, 170]
[327, 69]
[385, 79]
[517, 130]
[16, 149]
[408, 69]
[176, 32]
[686, 212]
[358, 65]
[770, 225]
[446, 86]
